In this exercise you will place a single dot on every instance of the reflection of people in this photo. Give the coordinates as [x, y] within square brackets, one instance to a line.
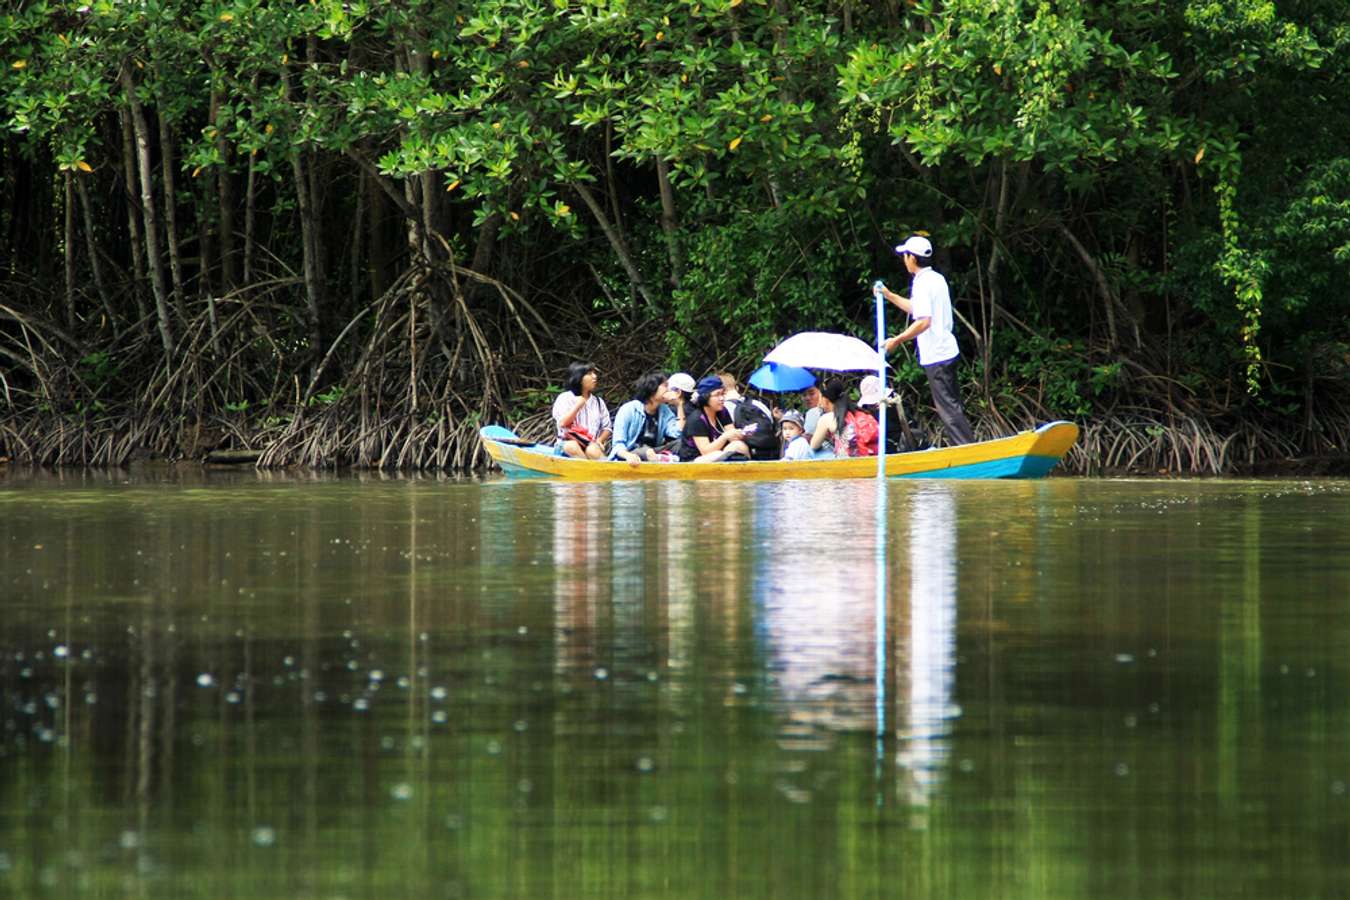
[817, 632]
[932, 636]
[930, 307]
[582, 417]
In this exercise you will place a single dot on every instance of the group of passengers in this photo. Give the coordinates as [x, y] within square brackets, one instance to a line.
[673, 418]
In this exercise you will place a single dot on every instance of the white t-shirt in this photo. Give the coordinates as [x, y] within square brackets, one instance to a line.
[798, 448]
[594, 416]
[932, 301]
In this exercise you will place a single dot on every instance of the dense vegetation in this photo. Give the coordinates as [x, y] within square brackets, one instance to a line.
[351, 231]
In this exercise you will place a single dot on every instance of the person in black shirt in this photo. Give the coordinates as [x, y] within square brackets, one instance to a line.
[709, 435]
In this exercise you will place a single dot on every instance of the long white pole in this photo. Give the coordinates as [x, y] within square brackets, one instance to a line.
[881, 374]
[880, 564]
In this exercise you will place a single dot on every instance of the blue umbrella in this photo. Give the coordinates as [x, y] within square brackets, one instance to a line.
[779, 377]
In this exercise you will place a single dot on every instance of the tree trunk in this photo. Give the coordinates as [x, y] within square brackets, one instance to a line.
[308, 238]
[70, 250]
[91, 246]
[229, 269]
[377, 246]
[995, 262]
[669, 223]
[171, 215]
[133, 218]
[250, 203]
[152, 261]
[1103, 285]
[616, 243]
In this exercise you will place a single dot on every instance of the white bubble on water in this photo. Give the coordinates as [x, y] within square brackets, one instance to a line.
[402, 791]
[206, 680]
[60, 651]
[658, 814]
[360, 704]
[601, 673]
[739, 688]
[439, 717]
[376, 675]
[264, 836]
[1124, 658]
[645, 764]
[494, 747]
[521, 725]
[438, 693]
[1122, 770]
[130, 840]
[232, 697]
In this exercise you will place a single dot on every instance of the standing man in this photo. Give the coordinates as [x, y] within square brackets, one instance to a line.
[930, 307]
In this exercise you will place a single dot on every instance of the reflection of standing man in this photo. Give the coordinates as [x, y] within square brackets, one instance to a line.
[930, 307]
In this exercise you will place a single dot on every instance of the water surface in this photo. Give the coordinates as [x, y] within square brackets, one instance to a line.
[249, 685]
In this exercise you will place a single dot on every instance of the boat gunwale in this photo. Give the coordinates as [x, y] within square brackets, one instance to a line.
[1053, 439]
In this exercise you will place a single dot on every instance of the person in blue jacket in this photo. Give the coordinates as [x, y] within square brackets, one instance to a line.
[645, 424]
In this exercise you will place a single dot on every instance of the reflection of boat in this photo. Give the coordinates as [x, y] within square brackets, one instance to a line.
[1028, 454]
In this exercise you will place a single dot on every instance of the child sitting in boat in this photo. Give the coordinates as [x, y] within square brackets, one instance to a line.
[795, 444]
[582, 417]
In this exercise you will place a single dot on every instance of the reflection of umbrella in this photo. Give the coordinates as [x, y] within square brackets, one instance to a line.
[822, 350]
[778, 377]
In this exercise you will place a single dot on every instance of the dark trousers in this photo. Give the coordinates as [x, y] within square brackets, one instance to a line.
[947, 399]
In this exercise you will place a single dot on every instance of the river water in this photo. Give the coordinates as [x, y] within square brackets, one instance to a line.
[245, 685]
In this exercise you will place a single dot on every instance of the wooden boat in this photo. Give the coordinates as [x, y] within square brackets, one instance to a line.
[1028, 454]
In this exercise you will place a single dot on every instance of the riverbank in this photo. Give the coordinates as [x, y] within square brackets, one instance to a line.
[1111, 445]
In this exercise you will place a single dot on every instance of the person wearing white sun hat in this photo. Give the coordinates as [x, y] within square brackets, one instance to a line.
[930, 309]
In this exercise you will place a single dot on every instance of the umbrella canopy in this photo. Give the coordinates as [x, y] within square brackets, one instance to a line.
[823, 350]
[778, 377]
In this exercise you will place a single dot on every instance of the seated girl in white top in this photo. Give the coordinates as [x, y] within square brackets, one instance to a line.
[583, 419]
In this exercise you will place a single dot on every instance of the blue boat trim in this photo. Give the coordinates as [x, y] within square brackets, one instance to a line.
[1029, 466]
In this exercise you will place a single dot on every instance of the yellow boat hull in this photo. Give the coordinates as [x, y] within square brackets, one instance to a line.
[1028, 454]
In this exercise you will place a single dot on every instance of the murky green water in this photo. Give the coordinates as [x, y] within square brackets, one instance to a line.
[245, 686]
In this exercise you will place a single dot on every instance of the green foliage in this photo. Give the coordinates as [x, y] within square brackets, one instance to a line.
[1184, 160]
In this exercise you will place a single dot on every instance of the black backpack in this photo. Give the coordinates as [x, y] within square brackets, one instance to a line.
[763, 443]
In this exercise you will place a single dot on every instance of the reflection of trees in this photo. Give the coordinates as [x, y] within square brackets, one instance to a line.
[504, 767]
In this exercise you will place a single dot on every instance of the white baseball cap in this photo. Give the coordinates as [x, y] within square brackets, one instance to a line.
[917, 245]
[682, 381]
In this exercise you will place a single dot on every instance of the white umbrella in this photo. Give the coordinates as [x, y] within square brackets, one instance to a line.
[823, 350]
